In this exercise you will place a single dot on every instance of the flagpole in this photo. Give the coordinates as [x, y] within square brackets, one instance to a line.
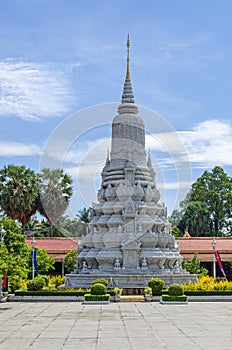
[214, 243]
[33, 254]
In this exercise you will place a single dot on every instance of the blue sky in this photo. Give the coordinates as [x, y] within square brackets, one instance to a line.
[60, 58]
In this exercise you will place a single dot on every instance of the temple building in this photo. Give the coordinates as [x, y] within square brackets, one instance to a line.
[129, 239]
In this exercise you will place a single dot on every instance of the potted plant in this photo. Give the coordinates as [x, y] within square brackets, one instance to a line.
[118, 293]
[148, 293]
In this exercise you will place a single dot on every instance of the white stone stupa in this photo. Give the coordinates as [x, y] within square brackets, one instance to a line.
[129, 239]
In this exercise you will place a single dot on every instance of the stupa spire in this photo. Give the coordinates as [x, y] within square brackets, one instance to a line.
[128, 101]
[128, 58]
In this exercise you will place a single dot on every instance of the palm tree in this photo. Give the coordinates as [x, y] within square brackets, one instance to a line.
[19, 190]
[84, 216]
[55, 194]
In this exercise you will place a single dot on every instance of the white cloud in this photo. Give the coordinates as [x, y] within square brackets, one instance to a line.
[15, 149]
[32, 90]
[175, 185]
[207, 144]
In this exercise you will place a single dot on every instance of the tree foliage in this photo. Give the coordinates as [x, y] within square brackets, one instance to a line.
[19, 189]
[55, 194]
[194, 266]
[84, 216]
[206, 210]
[214, 190]
[70, 262]
[15, 255]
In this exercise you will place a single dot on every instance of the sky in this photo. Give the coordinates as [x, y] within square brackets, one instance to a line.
[62, 69]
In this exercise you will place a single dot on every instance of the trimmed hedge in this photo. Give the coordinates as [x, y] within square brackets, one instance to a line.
[181, 298]
[102, 281]
[98, 289]
[175, 290]
[51, 293]
[156, 284]
[208, 292]
[78, 293]
[91, 297]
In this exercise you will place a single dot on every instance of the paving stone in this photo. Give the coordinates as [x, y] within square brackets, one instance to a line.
[152, 326]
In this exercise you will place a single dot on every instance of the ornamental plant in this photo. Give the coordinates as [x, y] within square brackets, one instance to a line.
[156, 284]
[175, 289]
[98, 292]
[102, 281]
[207, 284]
[175, 294]
[147, 291]
[98, 289]
[37, 283]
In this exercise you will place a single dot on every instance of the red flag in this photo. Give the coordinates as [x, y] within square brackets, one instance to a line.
[219, 261]
[5, 283]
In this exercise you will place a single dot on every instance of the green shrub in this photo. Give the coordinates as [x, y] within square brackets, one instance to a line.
[208, 292]
[178, 298]
[175, 289]
[91, 297]
[118, 291]
[51, 293]
[16, 282]
[102, 281]
[147, 291]
[156, 284]
[98, 289]
[57, 280]
[37, 283]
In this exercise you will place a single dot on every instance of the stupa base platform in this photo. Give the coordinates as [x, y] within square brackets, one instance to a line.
[126, 280]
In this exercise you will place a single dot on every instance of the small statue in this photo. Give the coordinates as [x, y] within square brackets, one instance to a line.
[84, 267]
[119, 229]
[144, 264]
[117, 265]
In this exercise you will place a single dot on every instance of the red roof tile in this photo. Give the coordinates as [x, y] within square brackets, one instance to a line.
[204, 244]
[55, 244]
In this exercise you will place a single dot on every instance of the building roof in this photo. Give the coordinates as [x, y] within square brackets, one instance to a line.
[203, 246]
[57, 247]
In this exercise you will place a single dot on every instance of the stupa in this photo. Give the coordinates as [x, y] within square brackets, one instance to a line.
[129, 239]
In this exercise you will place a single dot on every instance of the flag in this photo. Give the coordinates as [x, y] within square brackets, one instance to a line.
[34, 259]
[219, 261]
[5, 283]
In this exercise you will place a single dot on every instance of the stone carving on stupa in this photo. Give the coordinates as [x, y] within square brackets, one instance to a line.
[129, 236]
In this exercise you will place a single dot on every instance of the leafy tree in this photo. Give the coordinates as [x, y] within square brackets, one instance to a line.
[206, 210]
[197, 219]
[194, 266]
[45, 263]
[55, 194]
[19, 189]
[175, 218]
[15, 255]
[70, 260]
[84, 217]
[70, 227]
[176, 232]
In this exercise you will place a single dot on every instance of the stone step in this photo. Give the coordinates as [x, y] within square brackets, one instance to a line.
[132, 298]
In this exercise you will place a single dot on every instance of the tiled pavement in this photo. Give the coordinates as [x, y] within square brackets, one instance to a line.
[134, 326]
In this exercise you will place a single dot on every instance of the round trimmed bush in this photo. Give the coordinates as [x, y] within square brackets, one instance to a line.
[175, 289]
[156, 284]
[37, 283]
[98, 289]
[102, 281]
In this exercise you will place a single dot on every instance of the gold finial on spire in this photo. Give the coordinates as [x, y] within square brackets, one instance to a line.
[128, 58]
